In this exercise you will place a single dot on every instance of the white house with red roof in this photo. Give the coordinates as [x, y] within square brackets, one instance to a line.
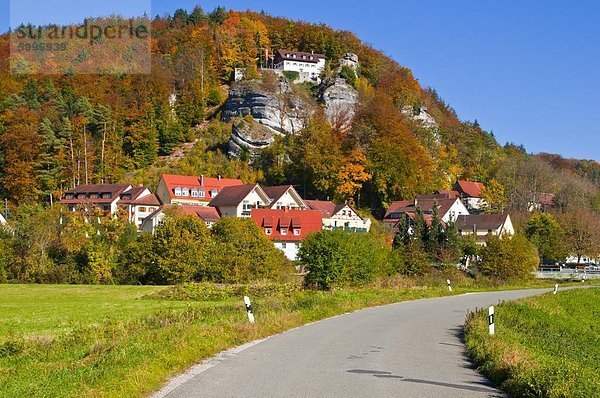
[287, 228]
[470, 193]
[239, 200]
[138, 203]
[191, 190]
[284, 196]
[208, 214]
[449, 207]
[309, 65]
[483, 225]
[341, 216]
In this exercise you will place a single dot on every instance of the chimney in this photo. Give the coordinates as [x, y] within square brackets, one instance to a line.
[219, 177]
[475, 229]
[202, 180]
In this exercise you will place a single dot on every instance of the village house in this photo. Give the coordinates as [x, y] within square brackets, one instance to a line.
[100, 196]
[470, 194]
[237, 201]
[208, 214]
[136, 202]
[449, 207]
[190, 190]
[484, 225]
[340, 216]
[284, 196]
[287, 228]
[541, 201]
[308, 65]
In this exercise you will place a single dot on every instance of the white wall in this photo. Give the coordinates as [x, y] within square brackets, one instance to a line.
[287, 200]
[346, 218]
[457, 209]
[251, 200]
[290, 249]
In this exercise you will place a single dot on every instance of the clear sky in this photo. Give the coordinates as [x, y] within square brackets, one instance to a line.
[526, 70]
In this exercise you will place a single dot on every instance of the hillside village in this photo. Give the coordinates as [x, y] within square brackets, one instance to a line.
[282, 214]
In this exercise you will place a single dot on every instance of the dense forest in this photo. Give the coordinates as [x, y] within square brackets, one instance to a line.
[57, 131]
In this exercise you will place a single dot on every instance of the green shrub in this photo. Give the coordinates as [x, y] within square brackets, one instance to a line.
[509, 258]
[242, 253]
[291, 75]
[339, 258]
[348, 74]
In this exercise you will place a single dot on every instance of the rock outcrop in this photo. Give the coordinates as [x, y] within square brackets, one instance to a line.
[420, 116]
[270, 102]
[340, 100]
[249, 136]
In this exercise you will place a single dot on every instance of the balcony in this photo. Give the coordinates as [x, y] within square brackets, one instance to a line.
[348, 229]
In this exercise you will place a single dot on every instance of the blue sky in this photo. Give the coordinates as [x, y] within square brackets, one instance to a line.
[526, 70]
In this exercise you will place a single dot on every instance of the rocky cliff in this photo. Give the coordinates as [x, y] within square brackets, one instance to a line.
[249, 136]
[339, 99]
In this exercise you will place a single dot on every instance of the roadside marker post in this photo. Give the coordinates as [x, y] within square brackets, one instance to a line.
[249, 309]
[555, 288]
[449, 286]
[491, 320]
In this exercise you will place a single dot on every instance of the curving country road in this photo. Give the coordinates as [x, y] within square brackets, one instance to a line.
[409, 349]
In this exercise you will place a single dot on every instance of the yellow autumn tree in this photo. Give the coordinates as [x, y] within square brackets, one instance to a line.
[352, 175]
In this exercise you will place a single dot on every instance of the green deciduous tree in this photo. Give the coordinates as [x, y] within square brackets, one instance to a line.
[547, 235]
[509, 258]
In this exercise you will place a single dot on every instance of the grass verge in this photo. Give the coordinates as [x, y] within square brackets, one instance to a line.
[545, 346]
[152, 333]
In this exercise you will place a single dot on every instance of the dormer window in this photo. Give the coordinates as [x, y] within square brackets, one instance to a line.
[296, 232]
[81, 196]
[311, 57]
[201, 193]
[194, 193]
[267, 231]
[283, 231]
[304, 57]
[106, 195]
[177, 191]
[69, 196]
[93, 196]
[185, 192]
[214, 193]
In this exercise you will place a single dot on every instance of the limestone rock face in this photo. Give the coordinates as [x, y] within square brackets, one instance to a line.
[250, 136]
[273, 105]
[340, 100]
[420, 116]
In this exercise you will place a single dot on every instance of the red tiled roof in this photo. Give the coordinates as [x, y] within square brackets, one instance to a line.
[469, 188]
[232, 196]
[132, 197]
[326, 207]
[546, 199]
[307, 221]
[276, 192]
[207, 183]
[206, 213]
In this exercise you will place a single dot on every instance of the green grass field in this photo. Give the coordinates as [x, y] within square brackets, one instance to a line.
[50, 309]
[546, 346]
[126, 341]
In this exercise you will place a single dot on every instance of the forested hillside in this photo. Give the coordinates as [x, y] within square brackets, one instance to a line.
[56, 132]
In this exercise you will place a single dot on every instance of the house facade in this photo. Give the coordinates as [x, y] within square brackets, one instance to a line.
[287, 228]
[239, 200]
[449, 207]
[284, 196]
[339, 216]
[138, 203]
[483, 225]
[191, 190]
[308, 65]
[103, 197]
[208, 214]
[470, 193]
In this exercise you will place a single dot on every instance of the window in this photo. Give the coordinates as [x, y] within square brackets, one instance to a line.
[151, 209]
[297, 232]
[201, 193]
[268, 231]
[93, 196]
[142, 209]
[297, 245]
[283, 231]
[69, 196]
[106, 195]
[185, 192]
[177, 191]
[283, 245]
[214, 193]
[194, 193]
[81, 196]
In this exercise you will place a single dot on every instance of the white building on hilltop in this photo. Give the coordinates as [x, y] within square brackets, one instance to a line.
[308, 65]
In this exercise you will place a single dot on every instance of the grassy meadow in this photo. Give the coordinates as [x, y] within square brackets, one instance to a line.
[126, 341]
[545, 346]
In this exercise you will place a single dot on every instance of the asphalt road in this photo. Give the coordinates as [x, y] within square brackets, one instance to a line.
[410, 349]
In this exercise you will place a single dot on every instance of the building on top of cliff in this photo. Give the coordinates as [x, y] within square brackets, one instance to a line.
[309, 65]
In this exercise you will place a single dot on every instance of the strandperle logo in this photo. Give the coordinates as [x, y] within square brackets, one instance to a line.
[111, 45]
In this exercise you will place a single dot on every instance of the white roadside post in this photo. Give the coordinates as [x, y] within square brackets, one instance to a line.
[491, 320]
[449, 286]
[249, 309]
[555, 288]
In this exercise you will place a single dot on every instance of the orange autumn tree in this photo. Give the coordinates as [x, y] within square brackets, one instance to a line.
[352, 175]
